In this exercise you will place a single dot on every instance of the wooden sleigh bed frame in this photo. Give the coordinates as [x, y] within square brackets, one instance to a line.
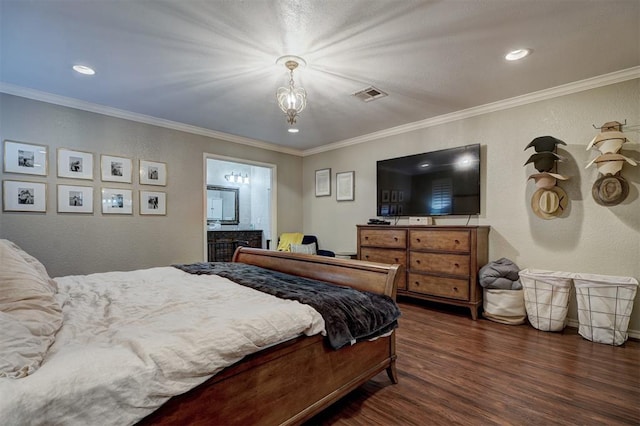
[292, 381]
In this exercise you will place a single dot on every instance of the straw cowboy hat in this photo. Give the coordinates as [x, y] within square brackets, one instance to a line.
[610, 190]
[610, 164]
[545, 143]
[549, 203]
[546, 180]
[544, 161]
[608, 142]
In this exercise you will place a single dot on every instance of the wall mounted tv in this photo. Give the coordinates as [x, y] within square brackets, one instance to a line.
[437, 183]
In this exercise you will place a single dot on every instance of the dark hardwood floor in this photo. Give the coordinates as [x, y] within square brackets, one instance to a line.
[453, 370]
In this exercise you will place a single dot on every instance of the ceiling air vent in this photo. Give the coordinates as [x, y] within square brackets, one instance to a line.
[369, 94]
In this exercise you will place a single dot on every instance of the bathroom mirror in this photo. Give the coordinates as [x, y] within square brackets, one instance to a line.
[222, 205]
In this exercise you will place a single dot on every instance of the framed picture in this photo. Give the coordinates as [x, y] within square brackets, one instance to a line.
[152, 202]
[26, 158]
[24, 196]
[344, 186]
[75, 164]
[117, 201]
[153, 173]
[394, 196]
[323, 183]
[115, 169]
[75, 199]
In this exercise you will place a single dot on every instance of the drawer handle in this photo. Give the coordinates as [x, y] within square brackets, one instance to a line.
[397, 260]
[366, 238]
[418, 239]
[457, 241]
[455, 289]
[418, 261]
[417, 284]
[366, 256]
[456, 265]
[395, 238]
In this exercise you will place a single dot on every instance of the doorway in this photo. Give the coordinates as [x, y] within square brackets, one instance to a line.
[254, 183]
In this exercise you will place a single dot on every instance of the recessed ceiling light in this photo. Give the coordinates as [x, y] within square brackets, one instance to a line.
[82, 69]
[517, 54]
[293, 130]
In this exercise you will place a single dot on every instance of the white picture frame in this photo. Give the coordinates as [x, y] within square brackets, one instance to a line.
[75, 164]
[116, 169]
[117, 201]
[75, 199]
[323, 183]
[21, 196]
[25, 158]
[153, 203]
[153, 173]
[345, 186]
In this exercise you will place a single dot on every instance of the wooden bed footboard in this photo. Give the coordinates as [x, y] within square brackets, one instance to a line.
[290, 382]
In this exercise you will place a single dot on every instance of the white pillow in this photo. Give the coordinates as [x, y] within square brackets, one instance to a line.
[303, 248]
[30, 314]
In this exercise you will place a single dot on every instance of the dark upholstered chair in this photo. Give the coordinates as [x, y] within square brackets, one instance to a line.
[312, 239]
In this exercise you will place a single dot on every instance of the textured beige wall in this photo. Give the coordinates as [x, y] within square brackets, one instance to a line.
[591, 238]
[79, 244]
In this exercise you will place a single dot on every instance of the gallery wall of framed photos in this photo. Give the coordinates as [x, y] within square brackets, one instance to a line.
[29, 190]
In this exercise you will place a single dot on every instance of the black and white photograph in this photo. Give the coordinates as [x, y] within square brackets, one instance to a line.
[75, 164]
[25, 158]
[117, 201]
[153, 173]
[26, 195]
[116, 169]
[21, 196]
[153, 203]
[75, 199]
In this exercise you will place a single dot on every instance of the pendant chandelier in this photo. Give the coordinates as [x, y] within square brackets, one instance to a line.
[291, 99]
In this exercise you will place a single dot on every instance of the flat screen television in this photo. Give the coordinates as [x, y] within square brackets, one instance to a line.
[437, 183]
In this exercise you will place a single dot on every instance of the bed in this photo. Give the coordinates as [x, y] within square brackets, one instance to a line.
[281, 381]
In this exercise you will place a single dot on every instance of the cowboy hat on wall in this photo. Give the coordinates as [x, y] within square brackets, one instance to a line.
[549, 201]
[610, 188]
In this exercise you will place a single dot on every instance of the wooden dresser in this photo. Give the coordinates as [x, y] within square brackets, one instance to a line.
[441, 263]
[222, 243]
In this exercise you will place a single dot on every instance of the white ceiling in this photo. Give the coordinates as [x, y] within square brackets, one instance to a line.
[211, 64]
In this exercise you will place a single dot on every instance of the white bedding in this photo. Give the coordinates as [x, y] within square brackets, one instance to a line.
[131, 340]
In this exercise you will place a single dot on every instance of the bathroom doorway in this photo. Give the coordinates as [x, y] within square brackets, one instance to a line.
[253, 185]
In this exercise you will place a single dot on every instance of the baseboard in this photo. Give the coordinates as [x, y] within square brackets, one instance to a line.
[633, 334]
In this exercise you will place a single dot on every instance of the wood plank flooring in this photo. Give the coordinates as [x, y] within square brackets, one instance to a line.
[455, 371]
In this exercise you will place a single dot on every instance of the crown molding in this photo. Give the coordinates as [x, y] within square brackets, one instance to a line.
[554, 92]
[140, 118]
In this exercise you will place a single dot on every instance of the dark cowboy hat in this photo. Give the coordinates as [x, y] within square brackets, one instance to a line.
[544, 161]
[610, 190]
[544, 143]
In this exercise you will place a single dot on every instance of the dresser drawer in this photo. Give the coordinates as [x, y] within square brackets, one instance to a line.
[437, 286]
[392, 238]
[381, 255]
[387, 256]
[440, 240]
[454, 264]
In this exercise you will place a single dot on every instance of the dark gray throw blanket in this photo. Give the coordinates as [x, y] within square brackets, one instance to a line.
[349, 315]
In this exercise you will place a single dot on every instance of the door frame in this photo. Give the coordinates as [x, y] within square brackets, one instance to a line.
[273, 214]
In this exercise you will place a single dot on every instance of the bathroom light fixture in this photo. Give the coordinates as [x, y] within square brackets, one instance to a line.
[83, 69]
[517, 54]
[291, 100]
[237, 178]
